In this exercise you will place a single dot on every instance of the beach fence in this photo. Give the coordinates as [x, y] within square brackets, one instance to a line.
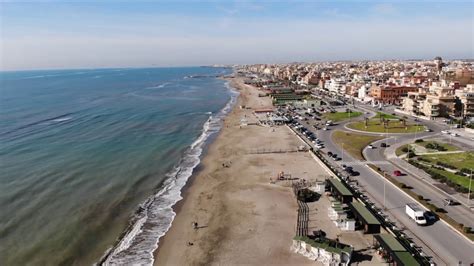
[271, 150]
[303, 211]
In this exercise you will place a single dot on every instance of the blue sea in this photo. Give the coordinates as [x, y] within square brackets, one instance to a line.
[92, 161]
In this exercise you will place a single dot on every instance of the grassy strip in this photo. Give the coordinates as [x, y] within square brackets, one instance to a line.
[353, 143]
[374, 125]
[459, 160]
[442, 214]
[454, 180]
[340, 116]
[446, 146]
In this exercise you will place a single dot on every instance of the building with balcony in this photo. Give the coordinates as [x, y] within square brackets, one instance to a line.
[413, 103]
[466, 97]
[441, 101]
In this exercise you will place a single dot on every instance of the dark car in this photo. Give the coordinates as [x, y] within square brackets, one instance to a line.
[383, 144]
[430, 216]
[329, 154]
[354, 173]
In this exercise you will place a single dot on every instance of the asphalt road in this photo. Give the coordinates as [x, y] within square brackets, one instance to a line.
[438, 240]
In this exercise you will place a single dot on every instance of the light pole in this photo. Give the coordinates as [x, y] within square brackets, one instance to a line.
[342, 159]
[469, 194]
[384, 181]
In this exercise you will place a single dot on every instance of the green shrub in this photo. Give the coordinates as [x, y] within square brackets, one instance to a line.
[405, 149]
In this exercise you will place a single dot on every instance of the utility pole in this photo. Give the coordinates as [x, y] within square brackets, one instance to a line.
[342, 159]
[384, 181]
[469, 194]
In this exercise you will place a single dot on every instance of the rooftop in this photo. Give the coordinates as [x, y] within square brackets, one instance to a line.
[364, 212]
[341, 188]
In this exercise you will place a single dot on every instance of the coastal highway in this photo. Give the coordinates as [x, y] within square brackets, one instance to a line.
[446, 246]
[420, 183]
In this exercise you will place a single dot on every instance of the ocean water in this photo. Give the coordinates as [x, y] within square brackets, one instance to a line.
[93, 160]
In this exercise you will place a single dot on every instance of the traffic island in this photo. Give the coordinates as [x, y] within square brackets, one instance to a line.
[353, 143]
[376, 125]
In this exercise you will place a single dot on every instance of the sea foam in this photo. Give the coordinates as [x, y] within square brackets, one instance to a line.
[154, 216]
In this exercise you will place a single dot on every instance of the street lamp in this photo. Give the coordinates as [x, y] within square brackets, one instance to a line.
[469, 194]
[384, 181]
[342, 159]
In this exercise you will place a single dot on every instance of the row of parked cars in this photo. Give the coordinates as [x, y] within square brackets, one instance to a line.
[318, 144]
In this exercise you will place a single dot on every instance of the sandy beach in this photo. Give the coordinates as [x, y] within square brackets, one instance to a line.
[242, 218]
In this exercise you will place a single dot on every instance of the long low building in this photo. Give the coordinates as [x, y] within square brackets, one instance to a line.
[339, 190]
[369, 222]
[392, 251]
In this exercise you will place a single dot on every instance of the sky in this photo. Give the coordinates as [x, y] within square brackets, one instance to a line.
[93, 34]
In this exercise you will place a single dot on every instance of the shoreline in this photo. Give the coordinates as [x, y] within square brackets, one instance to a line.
[238, 211]
[185, 190]
[168, 198]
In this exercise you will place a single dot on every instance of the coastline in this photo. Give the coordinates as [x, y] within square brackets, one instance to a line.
[154, 217]
[231, 199]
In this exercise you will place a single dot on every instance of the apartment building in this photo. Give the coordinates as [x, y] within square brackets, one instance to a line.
[414, 102]
[437, 101]
[466, 97]
[390, 94]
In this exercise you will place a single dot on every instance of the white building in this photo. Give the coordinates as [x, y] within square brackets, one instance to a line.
[337, 86]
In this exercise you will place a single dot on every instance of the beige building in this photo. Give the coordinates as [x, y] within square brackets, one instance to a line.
[414, 102]
[438, 101]
[466, 97]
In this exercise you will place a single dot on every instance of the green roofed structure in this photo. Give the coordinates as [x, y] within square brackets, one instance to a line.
[370, 223]
[395, 253]
[339, 190]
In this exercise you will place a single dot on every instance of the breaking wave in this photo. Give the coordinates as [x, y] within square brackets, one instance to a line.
[154, 216]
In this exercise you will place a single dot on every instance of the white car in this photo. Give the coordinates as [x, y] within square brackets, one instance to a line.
[370, 146]
[444, 131]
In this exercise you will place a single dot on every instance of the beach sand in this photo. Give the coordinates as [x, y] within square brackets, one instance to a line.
[242, 218]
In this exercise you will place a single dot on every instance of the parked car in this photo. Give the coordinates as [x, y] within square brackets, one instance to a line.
[354, 173]
[397, 173]
[383, 144]
[329, 154]
[428, 130]
[371, 146]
